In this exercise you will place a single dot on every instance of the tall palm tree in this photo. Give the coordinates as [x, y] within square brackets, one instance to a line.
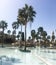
[20, 21]
[15, 25]
[26, 14]
[3, 26]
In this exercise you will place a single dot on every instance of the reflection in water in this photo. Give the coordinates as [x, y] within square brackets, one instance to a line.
[9, 60]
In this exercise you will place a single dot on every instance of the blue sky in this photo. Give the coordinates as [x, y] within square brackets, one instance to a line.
[45, 17]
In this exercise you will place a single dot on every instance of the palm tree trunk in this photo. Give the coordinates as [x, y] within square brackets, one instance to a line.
[3, 38]
[25, 38]
[21, 37]
[15, 35]
[21, 32]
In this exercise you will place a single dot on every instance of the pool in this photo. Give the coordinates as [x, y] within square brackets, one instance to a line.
[38, 56]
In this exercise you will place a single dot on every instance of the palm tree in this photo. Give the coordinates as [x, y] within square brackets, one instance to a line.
[25, 15]
[33, 34]
[13, 35]
[44, 34]
[40, 30]
[13, 32]
[18, 36]
[20, 21]
[29, 39]
[44, 38]
[53, 38]
[3, 26]
[48, 39]
[15, 25]
[37, 37]
[9, 32]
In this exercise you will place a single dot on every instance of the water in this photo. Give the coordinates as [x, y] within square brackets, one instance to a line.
[38, 56]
